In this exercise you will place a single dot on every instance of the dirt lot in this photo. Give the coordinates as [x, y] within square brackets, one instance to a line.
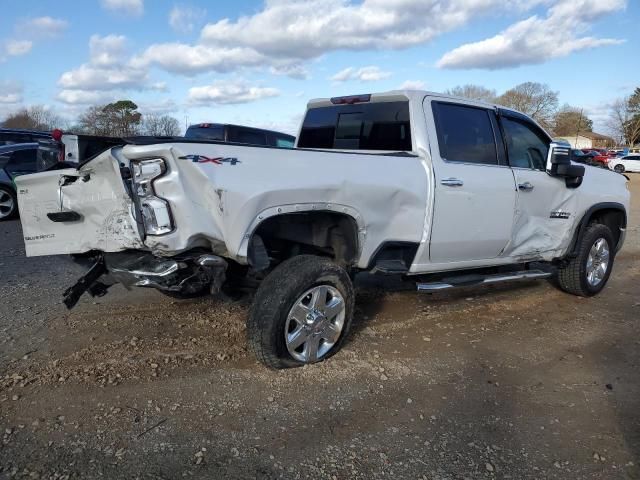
[520, 381]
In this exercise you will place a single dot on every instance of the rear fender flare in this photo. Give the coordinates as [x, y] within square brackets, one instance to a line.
[300, 208]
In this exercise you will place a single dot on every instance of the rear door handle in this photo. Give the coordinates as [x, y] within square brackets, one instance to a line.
[452, 182]
[526, 186]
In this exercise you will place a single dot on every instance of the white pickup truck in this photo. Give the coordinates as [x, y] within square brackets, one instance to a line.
[444, 190]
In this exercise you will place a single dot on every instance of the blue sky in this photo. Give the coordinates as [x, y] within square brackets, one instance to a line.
[257, 63]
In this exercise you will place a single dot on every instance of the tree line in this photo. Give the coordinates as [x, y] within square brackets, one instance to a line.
[541, 103]
[117, 119]
[538, 100]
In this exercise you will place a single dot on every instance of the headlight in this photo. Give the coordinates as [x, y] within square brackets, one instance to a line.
[155, 210]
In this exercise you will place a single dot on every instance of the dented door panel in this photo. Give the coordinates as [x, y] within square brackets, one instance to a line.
[95, 192]
[543, 217]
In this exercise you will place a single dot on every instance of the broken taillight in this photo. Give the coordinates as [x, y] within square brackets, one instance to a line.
[156, 212]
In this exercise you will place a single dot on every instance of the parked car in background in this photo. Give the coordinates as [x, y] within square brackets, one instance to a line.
[586, 158]
[628, 163]
[9, 136]
[239, 134]
[597, 155]
[21, 159]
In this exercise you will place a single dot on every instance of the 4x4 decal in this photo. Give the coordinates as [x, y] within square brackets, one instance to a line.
[214, 160]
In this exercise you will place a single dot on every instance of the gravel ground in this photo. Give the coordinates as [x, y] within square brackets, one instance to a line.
[515, 381]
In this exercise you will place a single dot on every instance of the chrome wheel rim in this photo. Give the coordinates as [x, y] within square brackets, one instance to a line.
[6, 204]
[597, 262]
[314, 323]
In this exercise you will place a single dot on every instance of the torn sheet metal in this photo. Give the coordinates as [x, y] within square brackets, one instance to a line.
[95, 193]
[219, 204]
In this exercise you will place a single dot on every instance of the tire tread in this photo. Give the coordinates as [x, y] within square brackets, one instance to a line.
[571, 277]
[271, 298]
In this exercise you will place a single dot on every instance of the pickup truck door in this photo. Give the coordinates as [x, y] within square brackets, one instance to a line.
[475, 194]
[544, 203]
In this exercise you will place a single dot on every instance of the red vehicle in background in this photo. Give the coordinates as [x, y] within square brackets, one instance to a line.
[598, 154]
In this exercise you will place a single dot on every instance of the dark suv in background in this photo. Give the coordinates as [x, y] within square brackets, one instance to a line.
[9, 136]
[21, 159]
[225, 132]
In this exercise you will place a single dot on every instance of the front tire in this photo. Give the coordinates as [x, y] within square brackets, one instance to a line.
[618, 168]
[587, 273]
[301, 313]
[8, 203]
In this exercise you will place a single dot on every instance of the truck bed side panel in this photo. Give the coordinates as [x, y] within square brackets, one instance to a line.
[222, 199]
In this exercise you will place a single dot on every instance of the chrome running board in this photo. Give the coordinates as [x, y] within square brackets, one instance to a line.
[472, 280]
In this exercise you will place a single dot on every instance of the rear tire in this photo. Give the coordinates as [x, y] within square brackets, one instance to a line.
[301, 313]
[587, 273]
[8, 203]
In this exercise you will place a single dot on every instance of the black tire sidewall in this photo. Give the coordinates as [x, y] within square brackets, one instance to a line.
[277, 294]
[13, 195]
[618, 169]
[594, 233]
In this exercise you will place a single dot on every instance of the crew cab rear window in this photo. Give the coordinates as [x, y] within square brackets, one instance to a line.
[364, 126]
[210, 132]
[248, 136]
[465, 133]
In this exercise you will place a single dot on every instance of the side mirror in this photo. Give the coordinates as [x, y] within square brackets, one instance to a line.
[559, 154]
[559, 165]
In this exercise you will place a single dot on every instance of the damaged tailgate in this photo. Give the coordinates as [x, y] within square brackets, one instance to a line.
[77, 210]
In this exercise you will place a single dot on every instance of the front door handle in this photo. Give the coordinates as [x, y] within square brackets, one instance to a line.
[526, 186]
[452, 182]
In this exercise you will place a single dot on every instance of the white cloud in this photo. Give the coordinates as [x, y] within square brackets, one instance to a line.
[184, 19]
[159, 86]
[283, 34]
[43, 27]
[16, 48]
[108, 50]
[412, 85]
[365, 74]
[536, 40]
[192, 59]
[307, 29]
[229, 92]
[94, 77]
[84, 97]
[10, 92]
[161, 107]
[106, 71]
[292, 70]
[131, 7]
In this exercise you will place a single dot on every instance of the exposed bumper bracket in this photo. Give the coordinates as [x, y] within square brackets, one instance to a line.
[86, 283]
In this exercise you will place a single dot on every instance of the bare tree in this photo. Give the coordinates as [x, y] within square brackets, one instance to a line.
[474, 92]
[34, 118]
[571, 120]
[534, 99]
[624, 121]
[161, 125]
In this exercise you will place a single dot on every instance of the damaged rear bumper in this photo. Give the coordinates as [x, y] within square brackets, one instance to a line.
[186, 274]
